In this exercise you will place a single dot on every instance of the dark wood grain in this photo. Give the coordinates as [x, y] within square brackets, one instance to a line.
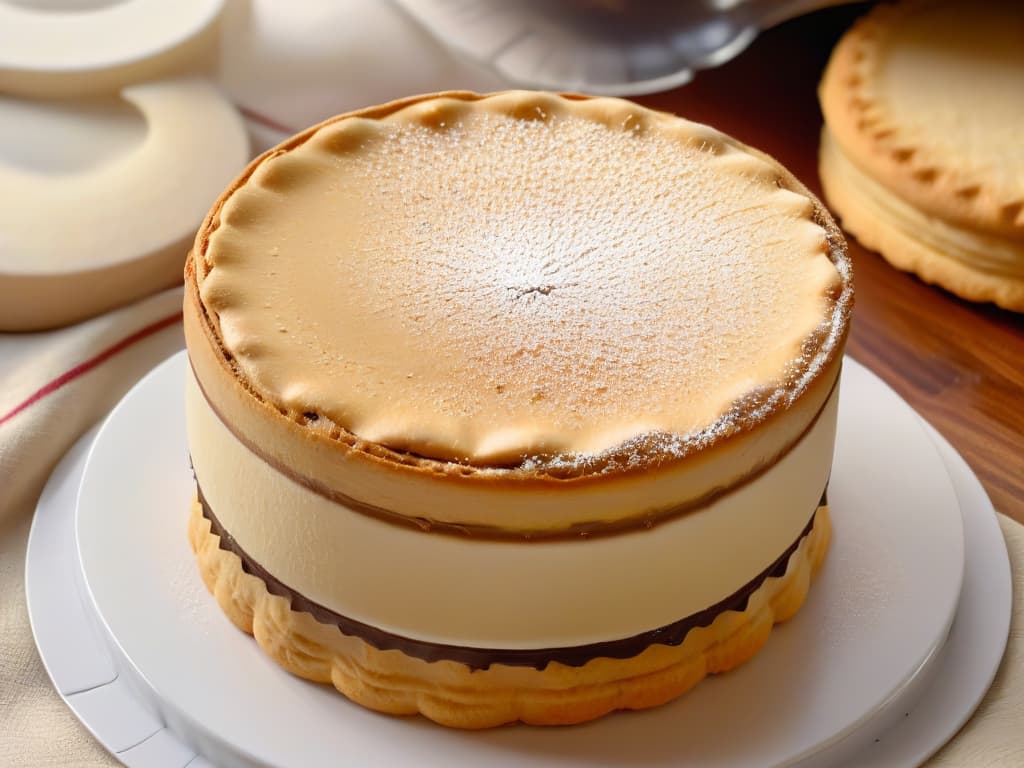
[960, 365]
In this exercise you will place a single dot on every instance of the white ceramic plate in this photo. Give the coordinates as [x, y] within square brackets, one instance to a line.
[81, 664]
[977, 640]
[826, 685]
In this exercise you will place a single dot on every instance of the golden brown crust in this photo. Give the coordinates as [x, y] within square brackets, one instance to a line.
[823, 352]
[454, 695]
[901, 250]
[934, 180]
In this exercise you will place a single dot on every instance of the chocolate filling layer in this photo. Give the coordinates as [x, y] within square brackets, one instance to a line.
[481, 658]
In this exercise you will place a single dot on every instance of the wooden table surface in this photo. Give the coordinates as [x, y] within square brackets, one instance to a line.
[960, 365]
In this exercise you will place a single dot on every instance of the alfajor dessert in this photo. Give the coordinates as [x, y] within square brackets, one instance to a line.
[517, 407]
[921, 154]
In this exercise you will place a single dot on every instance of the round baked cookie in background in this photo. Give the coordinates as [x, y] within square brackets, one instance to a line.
[921, 155]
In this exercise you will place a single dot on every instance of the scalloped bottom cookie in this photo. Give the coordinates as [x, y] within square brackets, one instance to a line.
[453, 694]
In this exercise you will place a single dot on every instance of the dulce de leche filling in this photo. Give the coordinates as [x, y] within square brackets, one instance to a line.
[522, 281]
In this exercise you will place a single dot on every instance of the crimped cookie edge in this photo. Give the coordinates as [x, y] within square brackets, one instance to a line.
[908, 255]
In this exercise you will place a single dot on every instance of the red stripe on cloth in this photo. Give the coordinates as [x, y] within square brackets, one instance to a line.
[266, 122]
[83, 368]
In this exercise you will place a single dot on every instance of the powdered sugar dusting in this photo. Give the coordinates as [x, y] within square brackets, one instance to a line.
[552, 294]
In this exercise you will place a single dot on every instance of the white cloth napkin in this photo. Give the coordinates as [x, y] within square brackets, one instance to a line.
[53, 386]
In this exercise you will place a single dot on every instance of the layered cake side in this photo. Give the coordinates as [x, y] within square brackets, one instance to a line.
[514, 407]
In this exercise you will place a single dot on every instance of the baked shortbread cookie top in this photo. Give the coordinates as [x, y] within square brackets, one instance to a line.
[927, 98]
[523, 280]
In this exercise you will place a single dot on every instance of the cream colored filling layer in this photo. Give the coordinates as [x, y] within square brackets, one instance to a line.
[988, 253]
[494, 594]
